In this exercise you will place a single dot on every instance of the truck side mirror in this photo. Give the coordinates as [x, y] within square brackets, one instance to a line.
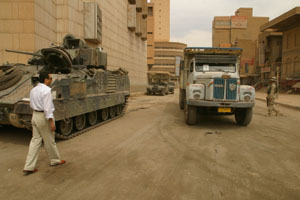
[181, 64]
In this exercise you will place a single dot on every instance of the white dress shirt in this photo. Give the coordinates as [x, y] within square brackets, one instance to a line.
[41, 100]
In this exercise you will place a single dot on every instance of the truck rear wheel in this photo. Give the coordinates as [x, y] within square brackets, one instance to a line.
[243, 116]
[190, 114]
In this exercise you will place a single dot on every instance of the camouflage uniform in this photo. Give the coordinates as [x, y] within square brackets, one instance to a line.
[272, 94]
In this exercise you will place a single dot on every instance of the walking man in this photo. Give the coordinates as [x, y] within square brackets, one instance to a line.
[272, 95]
[43, 125]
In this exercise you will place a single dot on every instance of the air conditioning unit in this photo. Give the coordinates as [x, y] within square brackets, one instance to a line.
[92, 22]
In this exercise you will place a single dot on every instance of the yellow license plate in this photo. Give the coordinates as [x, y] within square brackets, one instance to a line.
[224, 110]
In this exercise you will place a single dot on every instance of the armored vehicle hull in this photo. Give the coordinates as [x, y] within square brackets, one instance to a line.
[84, 96]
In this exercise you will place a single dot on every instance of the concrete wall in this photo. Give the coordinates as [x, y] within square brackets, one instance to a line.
[17, 29]
[29, 25]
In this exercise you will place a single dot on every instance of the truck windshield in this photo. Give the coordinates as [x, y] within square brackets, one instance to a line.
[215, 67]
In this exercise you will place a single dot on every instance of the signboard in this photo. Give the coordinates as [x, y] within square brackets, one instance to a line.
[222, 22]
[239, 22]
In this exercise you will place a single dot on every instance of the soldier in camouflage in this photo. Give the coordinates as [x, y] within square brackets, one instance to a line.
[272, 95]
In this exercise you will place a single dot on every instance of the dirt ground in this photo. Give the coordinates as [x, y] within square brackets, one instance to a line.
[150, 153]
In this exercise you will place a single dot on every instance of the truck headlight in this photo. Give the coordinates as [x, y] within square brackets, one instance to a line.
[196, 91]
[247, 93]
[247, 98]
[197, 96]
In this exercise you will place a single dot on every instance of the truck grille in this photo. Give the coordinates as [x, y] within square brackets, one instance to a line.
[219, 88]
[221, 85]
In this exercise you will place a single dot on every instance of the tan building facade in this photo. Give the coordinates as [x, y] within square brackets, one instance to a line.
[162, 55]
[166, 55]
[240, 30]
[150, 35]
[120, 27]
[289, 24]
[269, 54]
[161, 10]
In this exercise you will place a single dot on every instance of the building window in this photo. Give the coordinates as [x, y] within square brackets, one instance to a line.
[150, 33]
[295, 45]
[246, 68]
[150, 11]
[287, 40]
[297, 67]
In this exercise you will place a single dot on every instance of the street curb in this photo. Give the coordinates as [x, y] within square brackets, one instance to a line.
[282, 104]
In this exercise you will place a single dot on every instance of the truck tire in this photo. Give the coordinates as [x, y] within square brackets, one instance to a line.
[190, 114]
[243, 116]
[181, 99]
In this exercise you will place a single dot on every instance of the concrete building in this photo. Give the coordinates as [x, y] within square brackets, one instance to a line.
[289, 24]
[161, 10]
[269, 54]
[240, 30]
[117, 26]
[162, 55]
[167, 56]
[150, 35]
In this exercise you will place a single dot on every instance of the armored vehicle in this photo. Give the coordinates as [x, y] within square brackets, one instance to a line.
[210, 83]
[158, 83]
[85, 94]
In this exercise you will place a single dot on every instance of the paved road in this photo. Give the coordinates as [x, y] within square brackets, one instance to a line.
[151, 154]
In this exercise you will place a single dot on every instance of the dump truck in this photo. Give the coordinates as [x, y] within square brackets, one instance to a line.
[210, 83]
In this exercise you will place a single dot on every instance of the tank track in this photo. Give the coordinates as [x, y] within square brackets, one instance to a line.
[64, 137]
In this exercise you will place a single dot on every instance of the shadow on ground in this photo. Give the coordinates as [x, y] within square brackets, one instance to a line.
[205, 121]
[9, 134]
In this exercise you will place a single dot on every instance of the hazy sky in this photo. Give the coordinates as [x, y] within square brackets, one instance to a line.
[191, 20]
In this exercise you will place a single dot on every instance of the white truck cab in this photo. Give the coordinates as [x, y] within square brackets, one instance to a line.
[210, 82]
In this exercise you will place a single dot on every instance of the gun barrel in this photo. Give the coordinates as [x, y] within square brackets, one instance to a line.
[23, 52]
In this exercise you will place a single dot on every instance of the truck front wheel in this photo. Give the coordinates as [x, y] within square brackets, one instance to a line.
[190, 114]
[181, 99]
[243, 116]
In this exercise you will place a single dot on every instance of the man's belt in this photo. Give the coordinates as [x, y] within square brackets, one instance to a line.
[38, 110]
